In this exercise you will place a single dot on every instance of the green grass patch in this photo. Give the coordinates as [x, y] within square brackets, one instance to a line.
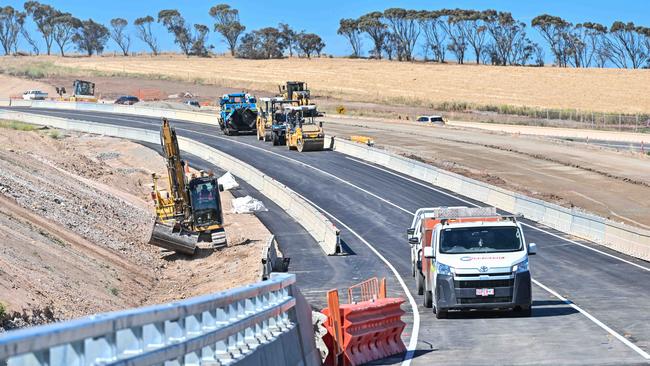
[3, 311]
[55, 134]
[114, 291]
[19, 126]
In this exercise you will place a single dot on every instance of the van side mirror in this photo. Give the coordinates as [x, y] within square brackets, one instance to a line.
[414, 241]
[532, 249]
[220, 187]
[428, 252]
[410, 231]
[320, 124]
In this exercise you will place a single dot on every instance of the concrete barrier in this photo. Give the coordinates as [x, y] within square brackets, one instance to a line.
[266, 323]
[620, 237]
[316, 224]
[198, 117]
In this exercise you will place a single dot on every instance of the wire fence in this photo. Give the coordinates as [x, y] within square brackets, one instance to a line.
[639, 123]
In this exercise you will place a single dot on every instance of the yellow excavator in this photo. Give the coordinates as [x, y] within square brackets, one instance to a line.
[190, 211]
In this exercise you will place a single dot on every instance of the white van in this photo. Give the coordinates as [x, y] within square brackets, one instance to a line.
[471, 260]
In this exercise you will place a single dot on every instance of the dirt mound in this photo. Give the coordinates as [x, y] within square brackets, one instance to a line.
[75, 216]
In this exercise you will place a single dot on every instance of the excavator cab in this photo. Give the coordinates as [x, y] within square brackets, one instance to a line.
[83, 91]
[205, 202]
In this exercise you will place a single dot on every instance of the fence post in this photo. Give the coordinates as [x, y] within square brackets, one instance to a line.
[620, 126]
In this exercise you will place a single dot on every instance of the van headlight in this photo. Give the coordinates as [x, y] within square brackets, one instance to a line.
[444, 269]
[521, 266]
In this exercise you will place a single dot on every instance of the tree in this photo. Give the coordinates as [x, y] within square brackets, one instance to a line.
[199, 47]
[11, 23]
[349, 28]
[556, 32]
[475, 32]
[390, 45]
[405, 27]
[91, 37]
[310, 43]
[289, 37]
[175, 24]
[143, 26]
[596, 39]
[376, 30]
[42, 15]
[454, 27]
[509, 37]
[627, 42]
[64, 28]
[431, 23]
[32, 42]
[119, 34]
[264, 43]
[227, 24]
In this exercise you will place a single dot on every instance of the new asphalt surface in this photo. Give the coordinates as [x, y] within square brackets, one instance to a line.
[591, 305]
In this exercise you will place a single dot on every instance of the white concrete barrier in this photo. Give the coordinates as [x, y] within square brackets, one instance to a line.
[136, 110]
[316, 224]
[620, 237]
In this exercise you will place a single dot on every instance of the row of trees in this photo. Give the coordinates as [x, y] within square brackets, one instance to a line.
[494, 37]
[272, 42]
[91, 37]
[587, 44]
[491, 37]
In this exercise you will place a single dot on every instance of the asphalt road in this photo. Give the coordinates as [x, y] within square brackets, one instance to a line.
[605, 319]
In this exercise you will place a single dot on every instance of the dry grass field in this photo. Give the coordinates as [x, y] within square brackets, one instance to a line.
[417, 84]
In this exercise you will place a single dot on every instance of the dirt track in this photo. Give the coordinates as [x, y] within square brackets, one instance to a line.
[609, 183]
[74, 219]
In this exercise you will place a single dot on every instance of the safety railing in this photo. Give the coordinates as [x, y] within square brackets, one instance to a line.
[223, 327]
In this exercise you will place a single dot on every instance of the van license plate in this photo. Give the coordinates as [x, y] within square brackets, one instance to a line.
[484, 291]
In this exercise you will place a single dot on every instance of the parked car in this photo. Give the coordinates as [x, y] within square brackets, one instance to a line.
[193, 103]
[127, 99]
[34, 95]
[438, 120]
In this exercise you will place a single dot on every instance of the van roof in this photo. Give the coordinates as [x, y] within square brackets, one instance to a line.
[503, 223]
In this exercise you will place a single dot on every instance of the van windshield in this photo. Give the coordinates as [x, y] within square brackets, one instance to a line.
[480, 240]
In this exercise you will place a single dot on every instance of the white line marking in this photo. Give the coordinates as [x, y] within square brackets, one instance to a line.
[523, 223]
[547, 289]
[413, 339]
[596, 321]
[416, 315]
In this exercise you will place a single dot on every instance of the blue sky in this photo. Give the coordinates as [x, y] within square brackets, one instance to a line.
[322, 17]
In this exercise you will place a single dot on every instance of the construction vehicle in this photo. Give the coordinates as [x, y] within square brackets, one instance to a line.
[302, 131]
[83, 91]
[238, 114]
[296, 92]
[471, 258]
[189, 212]
[271, 121]
[363, 140]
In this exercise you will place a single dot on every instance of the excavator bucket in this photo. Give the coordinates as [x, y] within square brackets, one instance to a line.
[163, 236]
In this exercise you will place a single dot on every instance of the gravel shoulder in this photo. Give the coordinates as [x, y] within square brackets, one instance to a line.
[75, 216]
[610, 183]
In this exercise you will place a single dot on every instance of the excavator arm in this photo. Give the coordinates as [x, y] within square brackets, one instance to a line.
[175, 169]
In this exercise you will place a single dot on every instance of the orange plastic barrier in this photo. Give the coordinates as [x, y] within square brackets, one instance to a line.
[368, 330]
